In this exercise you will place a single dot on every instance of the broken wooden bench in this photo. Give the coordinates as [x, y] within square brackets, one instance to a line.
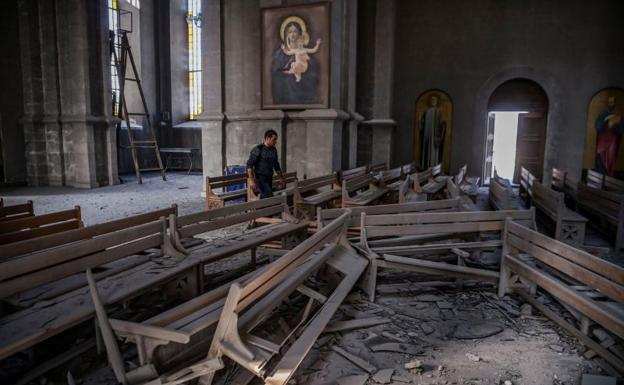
[392, 180]
[28, 227]
[427, 227]
[569, 225]
[500, 194]
[568, 185]
[233, 315]
[531, 260]
[353, 224]
[17, 211]
[40, 275]
[216, 188]
[603, 182]
[352, 173]
[378, 167]
[362, 190]
[313, 193]
[454, 192]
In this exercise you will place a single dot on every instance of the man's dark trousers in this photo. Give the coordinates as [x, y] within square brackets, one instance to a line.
[265, 185]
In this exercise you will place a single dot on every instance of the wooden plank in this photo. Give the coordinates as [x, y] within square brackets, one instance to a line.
[442, 217]
[431, 271]
[597, 265]
[156, 332]
[585, 340]
[292, 358]
[443, 267]
[354, 359]
[22, 209]
[592, 309]
[358, 323]
[398, 250]
[438, 228]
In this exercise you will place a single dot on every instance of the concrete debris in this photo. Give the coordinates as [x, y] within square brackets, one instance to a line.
[359, 379]
[383, 376]
[473, 357]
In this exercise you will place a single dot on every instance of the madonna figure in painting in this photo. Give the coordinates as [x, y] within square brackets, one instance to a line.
[294, 69]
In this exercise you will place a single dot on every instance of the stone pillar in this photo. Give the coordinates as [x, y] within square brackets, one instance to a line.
[212, 118]
[67, 116]
[319, 148]
[377, 28]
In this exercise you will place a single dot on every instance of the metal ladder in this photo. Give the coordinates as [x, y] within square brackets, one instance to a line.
[124, 115]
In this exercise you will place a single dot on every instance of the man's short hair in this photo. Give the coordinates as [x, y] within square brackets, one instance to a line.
[269, 134]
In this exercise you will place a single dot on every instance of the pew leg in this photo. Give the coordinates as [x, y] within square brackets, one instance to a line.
[368, 282]
[503, 280]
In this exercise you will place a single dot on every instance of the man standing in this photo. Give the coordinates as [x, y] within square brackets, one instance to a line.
[262, 161]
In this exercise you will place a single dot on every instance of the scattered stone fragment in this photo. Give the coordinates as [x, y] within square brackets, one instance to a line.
[429, 298]
[479, 330]
[556, 348]
[392, 337]
[444, 305]
[396, 347]
[399, 378]
[473, 357]
[414, 366]
[359, 379]
[426, 328]
[526, 309]
[383, 376]
[507, 382]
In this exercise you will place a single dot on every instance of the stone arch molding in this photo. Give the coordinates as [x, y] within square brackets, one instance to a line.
[555, 118]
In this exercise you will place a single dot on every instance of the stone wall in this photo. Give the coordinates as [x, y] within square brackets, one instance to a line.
[468, 48]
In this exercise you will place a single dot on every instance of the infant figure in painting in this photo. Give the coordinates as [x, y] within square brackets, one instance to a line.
[300, 65]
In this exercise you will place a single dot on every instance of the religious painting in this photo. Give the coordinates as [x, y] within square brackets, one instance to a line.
[605, 127]
[432, 130]
[295, 57]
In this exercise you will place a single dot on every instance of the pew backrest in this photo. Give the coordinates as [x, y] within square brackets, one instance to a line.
[500, 194]
[594, 179]
[378, 167]
[441, 205]
[30, 227]
[352, 173]
[18, 211]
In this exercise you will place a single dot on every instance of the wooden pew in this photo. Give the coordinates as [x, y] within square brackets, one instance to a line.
[392, 180]
[594, 179]
[500, 194]
[526, 181]
[18, 211]
[409, 168]
[563, 182]
[15, 230]
[411, 230]
[603, 182]
[468, 185]
[365, 189]
[353, 224]
[130, 260]
[436, 182]
[607, 207]
[216, 198]
[352, 173]
[230, 315]
[569, 225]
[374, 168]
[313, 193]
[454, 192]
[531, 260]
[288, 189]
[288, 229]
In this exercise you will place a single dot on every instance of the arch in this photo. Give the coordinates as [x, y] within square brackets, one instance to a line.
[611, 160]
[553, 92]
[445, 107]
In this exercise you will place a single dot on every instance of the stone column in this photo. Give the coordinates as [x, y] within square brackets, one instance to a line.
[377, 78]
[212, 118]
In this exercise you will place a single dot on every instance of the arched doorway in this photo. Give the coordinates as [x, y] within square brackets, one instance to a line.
[516, 129]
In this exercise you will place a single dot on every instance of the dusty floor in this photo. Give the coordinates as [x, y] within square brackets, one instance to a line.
[440, 326]
[112, 202]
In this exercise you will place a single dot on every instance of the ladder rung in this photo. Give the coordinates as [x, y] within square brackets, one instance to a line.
[149, 169]
[144, 146]
[132, 79]
[144, 141]
[136, 113]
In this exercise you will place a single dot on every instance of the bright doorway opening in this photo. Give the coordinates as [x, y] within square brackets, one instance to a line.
[504, 143]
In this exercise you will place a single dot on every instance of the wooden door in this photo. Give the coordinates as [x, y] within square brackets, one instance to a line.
[530, 144]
